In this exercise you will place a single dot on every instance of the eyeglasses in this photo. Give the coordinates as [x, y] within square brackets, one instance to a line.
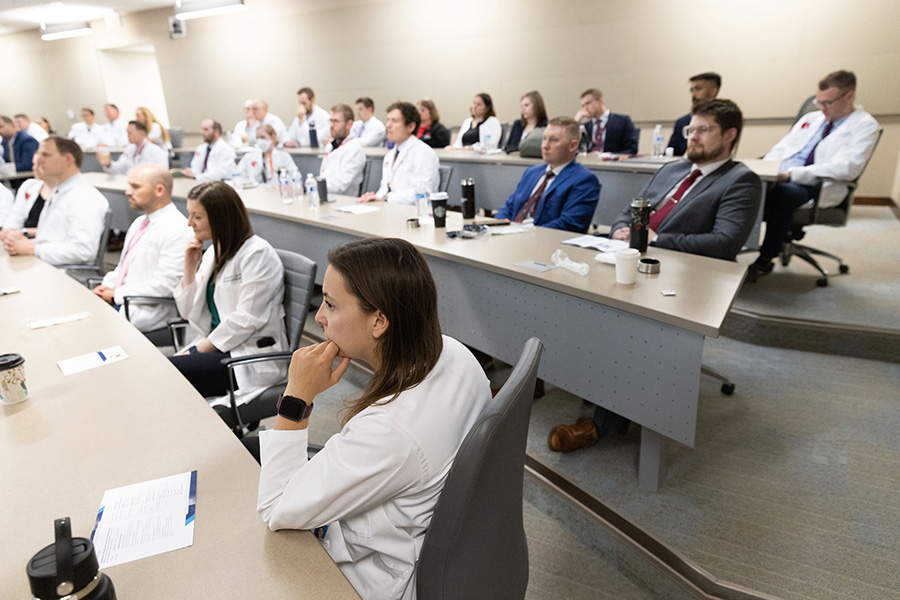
[826, 103]
[702, 130]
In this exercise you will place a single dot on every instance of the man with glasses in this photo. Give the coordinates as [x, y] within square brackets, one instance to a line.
[824, 150]
[344, 159]
[704, 205]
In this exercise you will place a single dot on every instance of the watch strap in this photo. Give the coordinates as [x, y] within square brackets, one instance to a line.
[293, 408]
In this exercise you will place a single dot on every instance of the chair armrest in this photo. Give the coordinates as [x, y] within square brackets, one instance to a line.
[128, 300]
[230, 363]
[93, 282]
[175, 324]
[78, 267]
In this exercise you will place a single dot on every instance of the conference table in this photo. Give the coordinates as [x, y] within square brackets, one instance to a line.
[630, 349]
[124, 423]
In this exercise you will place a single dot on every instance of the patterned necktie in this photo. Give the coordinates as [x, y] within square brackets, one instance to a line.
[206, 160]
[531, 206]
[597, 142]
[812, 153]
[657, 217]
[127, 259]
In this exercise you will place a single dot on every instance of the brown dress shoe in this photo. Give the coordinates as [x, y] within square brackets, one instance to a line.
[569, 438]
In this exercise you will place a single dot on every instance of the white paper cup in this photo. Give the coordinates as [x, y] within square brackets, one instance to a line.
[626, 265]
[12, 379]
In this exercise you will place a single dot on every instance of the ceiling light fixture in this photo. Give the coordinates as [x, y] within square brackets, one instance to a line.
[194, 9]
[61, 31]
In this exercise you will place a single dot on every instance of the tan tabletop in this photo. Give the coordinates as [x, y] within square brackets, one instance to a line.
[123, 423]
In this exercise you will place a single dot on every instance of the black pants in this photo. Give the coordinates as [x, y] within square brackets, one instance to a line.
[781, 202]
[205, 371]
[606, 421]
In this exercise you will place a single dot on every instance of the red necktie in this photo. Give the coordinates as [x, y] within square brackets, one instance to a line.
[531, 206]
[658, 215]
[597, 142]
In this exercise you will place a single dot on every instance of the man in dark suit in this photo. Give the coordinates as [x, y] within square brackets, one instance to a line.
[705, 205]
[23, 145]
[703, 87]
[602, 130]
[560, 194]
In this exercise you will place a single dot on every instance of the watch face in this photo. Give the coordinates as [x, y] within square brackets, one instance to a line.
[291, 408]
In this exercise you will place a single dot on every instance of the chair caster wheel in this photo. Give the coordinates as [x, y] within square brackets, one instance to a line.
[728, 389]
[844, 269]
[822, 282]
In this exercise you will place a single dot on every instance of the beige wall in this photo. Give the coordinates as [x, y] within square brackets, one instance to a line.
[639, 52]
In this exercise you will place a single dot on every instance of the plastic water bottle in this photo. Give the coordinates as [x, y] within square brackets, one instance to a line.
[421, 199]
[312, 191]
[297, 185]
[487, 142]
[236, 180]
[285, 186]
[658, 144]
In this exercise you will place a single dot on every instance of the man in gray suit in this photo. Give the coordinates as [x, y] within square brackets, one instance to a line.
[704, 205]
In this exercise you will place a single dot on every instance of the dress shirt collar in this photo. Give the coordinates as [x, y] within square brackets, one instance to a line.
[406, 144]
[708, 168]
[602, 119]
[160, 213]
[557, 170]
[68, 184]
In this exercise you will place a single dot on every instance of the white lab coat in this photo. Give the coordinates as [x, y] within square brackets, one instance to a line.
[270, 119]
[488, 134]
[130, 158]
[417, 162]
[7, 200]
[254, 166]
[370, 133]
[840, 157]
[220, 165]
[248, 296]
[376, 483]
[86, 136]
[155, 266]
[25, 198]
[71, 223]
[115, 133]
[342, 167]
[299, 132]
[155, 135]
[37, 132]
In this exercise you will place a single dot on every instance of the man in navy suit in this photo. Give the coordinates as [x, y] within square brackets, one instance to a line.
[703, 87]
[705, 205]
[560, 194]
[23, 145]
[602, 130]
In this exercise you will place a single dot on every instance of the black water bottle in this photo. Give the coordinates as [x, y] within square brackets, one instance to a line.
[468, 198]
[640, 223]
[68, 567]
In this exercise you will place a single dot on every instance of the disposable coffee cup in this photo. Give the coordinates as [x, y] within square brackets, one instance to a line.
[103, 157]
[439, 208]
[626, 265]
[12, 379]
[8, 169]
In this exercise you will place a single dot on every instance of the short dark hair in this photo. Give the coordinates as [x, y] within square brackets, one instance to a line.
[228, 221]
[22, 116]
[365, 101]
[66, 146]
[488, 103]
[111, 105]
[139, 126]
[344, 110]
[726, 113]
[217, 126]
[597, 94]
[308, 91]
[843, 80]
[708, 76]
[569, 124]
[89, 110]
[7, 120]
[409, 113]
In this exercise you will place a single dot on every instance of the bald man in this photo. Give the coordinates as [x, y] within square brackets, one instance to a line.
[152, 259]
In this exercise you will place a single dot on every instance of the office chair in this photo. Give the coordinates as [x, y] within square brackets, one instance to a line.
[808, 106]
[299, 282]
[367, 168]
[504, 129]
[82, 273]
[475, 546]
[835, 216]
[446, 173]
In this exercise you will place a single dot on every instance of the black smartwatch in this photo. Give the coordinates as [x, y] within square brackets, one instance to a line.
[292, 408]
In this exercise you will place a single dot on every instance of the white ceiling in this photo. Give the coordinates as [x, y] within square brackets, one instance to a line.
[18, 15]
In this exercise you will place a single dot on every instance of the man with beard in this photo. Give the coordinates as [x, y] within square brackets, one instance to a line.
[703, 87]
[214, 158]
[704, 205]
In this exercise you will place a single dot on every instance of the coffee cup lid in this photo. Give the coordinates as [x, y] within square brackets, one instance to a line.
[438, 196]
[10, 361]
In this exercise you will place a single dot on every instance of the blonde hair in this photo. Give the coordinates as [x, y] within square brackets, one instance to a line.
[150, 119]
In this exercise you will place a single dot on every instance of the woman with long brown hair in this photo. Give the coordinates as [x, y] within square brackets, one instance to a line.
[231, 294]
[372, 489]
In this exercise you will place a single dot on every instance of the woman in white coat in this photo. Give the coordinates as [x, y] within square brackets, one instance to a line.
[263, 162]
[231, 295]
[156, 133]
[482, 130]
[371, 491]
